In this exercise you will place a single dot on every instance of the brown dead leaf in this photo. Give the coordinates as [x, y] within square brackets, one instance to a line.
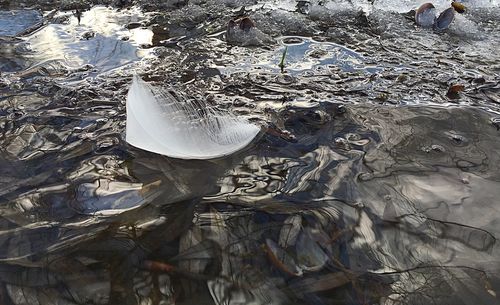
[453, 91]
[459, 7]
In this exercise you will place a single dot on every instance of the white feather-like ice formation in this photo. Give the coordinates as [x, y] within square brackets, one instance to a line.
[182, 128]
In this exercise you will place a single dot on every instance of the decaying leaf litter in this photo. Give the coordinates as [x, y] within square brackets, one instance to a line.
[371, 186]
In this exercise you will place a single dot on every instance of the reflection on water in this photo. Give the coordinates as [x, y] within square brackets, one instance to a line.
[347, 199]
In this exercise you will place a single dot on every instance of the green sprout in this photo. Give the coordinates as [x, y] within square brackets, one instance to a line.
[282, 62]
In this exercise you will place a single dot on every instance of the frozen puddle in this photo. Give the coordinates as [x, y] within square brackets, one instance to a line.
[303, 55]
[100, 41]
[307, 54]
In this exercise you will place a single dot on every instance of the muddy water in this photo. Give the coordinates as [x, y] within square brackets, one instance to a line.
[370, 186]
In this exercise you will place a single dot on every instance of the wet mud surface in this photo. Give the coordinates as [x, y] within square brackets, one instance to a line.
[376, 181]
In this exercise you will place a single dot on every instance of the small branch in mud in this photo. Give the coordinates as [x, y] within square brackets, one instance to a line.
[161, 267]
[422, 267]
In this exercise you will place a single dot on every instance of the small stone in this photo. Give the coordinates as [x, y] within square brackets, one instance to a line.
[133, 25]
[342, 143]
[401, 78]
[303, 7]
[437, 148]
[88, 35]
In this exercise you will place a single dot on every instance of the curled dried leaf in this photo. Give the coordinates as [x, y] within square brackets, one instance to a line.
[444, 19]
[425, 15]
[459, 7]
[246, 23]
